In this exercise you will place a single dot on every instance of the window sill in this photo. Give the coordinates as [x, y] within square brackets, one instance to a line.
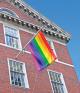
[19, 49]
[13, 47]
[19, 87]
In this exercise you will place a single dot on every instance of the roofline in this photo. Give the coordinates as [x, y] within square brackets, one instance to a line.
[50, 28]
[35, 27]
[29, 10]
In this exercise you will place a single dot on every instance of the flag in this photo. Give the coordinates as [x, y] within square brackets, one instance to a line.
[41, 51]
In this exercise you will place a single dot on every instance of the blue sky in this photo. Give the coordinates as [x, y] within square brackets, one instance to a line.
[66, 14]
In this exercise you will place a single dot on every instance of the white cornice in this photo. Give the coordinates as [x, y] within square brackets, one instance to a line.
[40, 16]
[36, 27]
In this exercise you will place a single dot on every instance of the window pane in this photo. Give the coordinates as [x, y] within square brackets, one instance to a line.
[15, 42]
[22, 80]
[16, 78]
[12, 38]
[21, 67]
[56, 82]
[11, 31]
[14, 66]
[17, 66]
[19, 80]
[11, 41]
[8, 40]
[12, 78]
[55, 88]
[17, 74]
[11, 65]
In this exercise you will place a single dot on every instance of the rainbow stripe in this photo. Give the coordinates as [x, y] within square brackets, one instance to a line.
[41, 51]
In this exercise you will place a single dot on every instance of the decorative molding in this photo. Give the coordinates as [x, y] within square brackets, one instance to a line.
[64, 44]
[50, 26]
[24, 30]
[33, 26]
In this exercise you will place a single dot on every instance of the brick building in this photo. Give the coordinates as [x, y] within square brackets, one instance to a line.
[18, 73]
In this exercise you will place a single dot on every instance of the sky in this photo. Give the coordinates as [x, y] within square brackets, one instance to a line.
[66, 14]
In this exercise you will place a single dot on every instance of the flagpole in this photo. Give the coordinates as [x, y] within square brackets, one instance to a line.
[29, 42]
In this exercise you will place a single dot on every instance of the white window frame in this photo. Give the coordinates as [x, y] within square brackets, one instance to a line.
[24, 70]
[19, 40]
[62, 79]
[52, 46]
[57, 60]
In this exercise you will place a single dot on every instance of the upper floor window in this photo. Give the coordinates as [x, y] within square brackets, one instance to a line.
[12, 37]
[50, 43]
[52, 46]
[8, 12]
[18, 74]
[57, 82]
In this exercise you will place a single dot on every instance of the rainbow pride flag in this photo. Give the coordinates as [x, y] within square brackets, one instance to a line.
[41, 51]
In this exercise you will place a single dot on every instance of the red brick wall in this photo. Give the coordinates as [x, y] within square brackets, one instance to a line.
[62, 53]
[2, 40]
[41, 83]
[25, 38]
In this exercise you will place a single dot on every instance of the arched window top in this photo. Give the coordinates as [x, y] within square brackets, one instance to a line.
[8, 12]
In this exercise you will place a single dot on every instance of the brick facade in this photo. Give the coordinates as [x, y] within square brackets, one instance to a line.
[39, 81]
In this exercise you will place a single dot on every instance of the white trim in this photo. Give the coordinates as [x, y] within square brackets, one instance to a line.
[14, 48]
[63, 63]
[9, 71]
[64, 44]
[50, 81]
[19, 40]
[39, 15]
[43, 17]
[26, 77]
[65, 88]
[24, 30]
[54, 71]
[56, 41]
[62, 79]
[58, 61]
[52, 46]
[16, 27]
[30, 53]
[24, 71]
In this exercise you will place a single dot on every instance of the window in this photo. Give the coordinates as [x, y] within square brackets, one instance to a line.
[8, 12]
[51, 44]
[12, 37]
[17, 74]
[57, 82]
